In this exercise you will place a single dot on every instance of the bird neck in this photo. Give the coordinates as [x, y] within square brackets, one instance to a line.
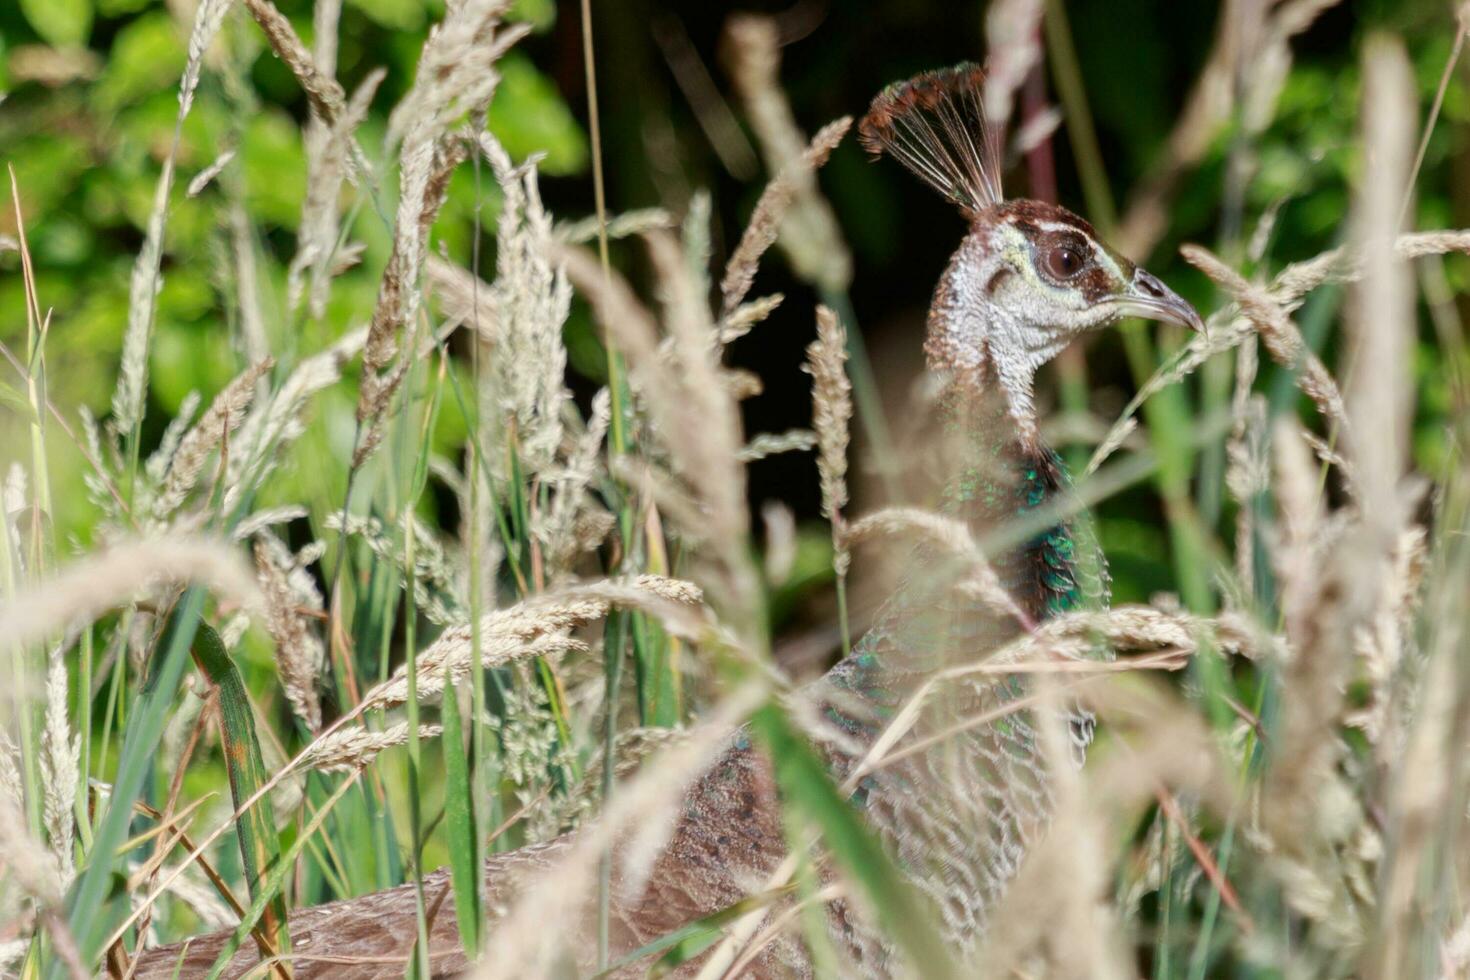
[995, 473]
[980, 333]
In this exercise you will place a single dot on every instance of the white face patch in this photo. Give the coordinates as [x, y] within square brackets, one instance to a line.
[995, 314]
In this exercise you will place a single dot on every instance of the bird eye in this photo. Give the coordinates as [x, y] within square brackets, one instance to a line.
[1063, 262]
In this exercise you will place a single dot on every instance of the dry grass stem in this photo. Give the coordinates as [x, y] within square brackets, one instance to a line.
[224, 415]
[770, 210]
[1277, 331]
[1379, 370]
[90, 586]
[809, 233]
[954, 538]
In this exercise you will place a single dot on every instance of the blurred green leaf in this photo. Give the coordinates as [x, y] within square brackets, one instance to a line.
[15, 400]
[147, 56]
[275, 169]
[116, 8]
[540, 14]
[59, 22]
[46, 169]
[400, 15]
[529, 116]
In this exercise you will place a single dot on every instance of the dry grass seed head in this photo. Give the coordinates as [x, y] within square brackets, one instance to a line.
[321, 89]
[350, 749]
[575, 522]
[704, 435]
[277, 422]
[639, 221]
[539, 626]
[739, 321]
[463, 298]
[831, 416]
[1282, 338]
[103, 580]
[528, 303]
[766, 444]
[954, 538]
[60, 762]
[328, 152]
[290, 598]
[770, 212]
[224, 415]
[809, 232]
[28, 861]
[1383, 642]
[132, 381]
[1013, 34]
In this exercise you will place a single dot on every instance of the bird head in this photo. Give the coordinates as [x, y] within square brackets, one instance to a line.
[1030, 277]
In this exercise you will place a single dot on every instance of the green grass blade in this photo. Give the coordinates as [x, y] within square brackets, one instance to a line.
[459, 819]
[260, 846]
[88, 924]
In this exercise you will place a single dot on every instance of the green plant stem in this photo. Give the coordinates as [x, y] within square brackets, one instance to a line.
[85, 900]
[615, 638]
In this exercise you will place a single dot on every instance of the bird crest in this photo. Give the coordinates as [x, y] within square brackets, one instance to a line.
[934, 124]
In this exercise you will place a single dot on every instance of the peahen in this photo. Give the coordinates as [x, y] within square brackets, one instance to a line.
[1028, 278]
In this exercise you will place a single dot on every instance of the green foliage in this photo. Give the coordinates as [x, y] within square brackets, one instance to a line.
[59, 22]
[528, 118]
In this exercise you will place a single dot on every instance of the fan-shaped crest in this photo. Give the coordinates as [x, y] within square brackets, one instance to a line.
[934, 124]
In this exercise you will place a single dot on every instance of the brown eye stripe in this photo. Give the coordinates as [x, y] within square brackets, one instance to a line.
[1094, 284]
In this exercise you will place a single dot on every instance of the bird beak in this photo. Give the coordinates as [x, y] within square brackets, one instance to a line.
[1146, 297]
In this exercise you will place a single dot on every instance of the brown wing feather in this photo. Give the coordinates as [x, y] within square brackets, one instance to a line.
[729, 835]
